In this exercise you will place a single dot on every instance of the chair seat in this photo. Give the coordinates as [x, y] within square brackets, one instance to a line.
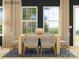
[30, 43]
[16, 41]
[63, 42]
[48, 43]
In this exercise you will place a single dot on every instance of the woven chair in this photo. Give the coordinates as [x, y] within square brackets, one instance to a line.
[48, 41]
[13, 41]
[30, 41]
[64, 44]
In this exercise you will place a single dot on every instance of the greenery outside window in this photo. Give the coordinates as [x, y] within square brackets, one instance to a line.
[51, 19]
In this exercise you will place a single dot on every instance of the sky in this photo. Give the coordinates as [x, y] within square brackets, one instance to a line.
[0, 16]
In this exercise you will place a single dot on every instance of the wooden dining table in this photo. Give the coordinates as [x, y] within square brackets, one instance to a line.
[21, 37]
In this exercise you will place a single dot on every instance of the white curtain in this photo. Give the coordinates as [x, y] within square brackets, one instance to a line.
[12, 20]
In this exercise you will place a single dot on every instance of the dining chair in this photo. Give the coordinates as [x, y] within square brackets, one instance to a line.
[48, 41]
[64, 44]
[31, 41]
[13, 41]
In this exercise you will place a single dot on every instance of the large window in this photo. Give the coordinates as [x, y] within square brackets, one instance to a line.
[0, 21]
[29, 19]
[76, 25]
[51, 19]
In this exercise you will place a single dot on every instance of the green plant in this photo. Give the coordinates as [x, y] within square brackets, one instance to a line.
[53, 30]
[0, 29]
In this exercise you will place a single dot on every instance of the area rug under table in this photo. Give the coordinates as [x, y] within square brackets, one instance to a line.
[33, 53]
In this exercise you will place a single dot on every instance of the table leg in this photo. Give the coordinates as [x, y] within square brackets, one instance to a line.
[58, 45]
[19, 45]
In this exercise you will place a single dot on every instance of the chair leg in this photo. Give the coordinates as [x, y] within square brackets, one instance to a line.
[67, 49]
[54, 50]
[38, 51]
[41, 51]
[24, 50]
[11, 47]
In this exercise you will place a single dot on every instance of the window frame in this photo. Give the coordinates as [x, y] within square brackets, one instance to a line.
[29, 20]
[52, 20]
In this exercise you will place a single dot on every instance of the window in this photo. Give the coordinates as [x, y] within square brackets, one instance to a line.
[76, 25]
[51, 19]
[29, 19]
[0, 21]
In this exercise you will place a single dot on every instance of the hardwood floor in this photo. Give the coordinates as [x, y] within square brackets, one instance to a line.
[74, 50]
[3, 51]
